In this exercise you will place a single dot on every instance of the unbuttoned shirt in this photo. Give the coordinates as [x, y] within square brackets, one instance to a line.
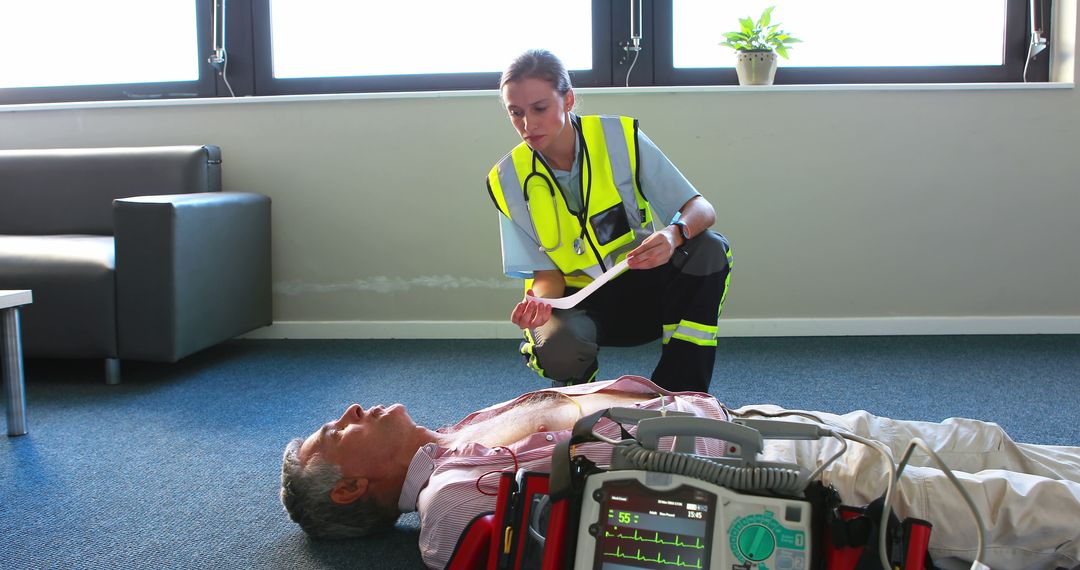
[441, 483]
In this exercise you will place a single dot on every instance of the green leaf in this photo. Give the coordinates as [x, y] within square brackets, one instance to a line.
[766, 16]
[762, 35]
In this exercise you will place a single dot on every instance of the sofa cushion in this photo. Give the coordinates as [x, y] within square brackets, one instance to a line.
[70, 191]
[72, 279]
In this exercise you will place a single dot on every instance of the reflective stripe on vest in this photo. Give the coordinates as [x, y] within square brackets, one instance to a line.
[618, 215]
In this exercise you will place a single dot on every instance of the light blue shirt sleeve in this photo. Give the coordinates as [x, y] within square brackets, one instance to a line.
[663, 185]
[521, 256]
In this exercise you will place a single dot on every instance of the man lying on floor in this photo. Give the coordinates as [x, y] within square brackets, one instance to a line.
[357, 474]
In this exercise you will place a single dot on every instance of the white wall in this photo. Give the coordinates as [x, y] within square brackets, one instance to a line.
[851, 211]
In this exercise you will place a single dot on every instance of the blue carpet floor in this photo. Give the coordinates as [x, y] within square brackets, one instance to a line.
[178, 466]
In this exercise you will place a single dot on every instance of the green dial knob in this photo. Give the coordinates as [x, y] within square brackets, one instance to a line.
[756, 542]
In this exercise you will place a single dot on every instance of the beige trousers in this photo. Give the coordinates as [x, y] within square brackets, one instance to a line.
[1027, 495]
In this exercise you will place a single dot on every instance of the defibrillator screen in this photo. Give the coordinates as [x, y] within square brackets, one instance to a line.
[643, 528]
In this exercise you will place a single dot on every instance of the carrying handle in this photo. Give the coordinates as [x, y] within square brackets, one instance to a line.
[748, 440]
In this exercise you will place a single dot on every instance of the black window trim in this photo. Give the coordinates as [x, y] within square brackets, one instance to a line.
[249, 64]
[266, 84]
[1016, 43]
[199, 88]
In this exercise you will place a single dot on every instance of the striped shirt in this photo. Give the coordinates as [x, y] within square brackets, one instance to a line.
[441, 483]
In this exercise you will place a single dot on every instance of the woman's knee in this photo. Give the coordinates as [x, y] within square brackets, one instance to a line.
[564, 353]
[707, 254]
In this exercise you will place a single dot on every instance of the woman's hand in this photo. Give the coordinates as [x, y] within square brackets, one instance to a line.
[547, 283]
[656, 250]
[529, 314]
[698, 215]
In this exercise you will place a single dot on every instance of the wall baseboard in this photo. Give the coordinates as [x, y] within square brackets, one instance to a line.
[728, 328]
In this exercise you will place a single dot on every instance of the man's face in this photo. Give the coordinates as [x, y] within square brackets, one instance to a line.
[363, 443]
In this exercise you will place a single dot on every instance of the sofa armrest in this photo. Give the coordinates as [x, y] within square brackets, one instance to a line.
[192, 270]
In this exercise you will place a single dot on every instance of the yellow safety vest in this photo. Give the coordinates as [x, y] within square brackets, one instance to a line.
[616, 217]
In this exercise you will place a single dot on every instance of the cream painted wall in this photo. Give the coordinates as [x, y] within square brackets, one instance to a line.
[839, 203]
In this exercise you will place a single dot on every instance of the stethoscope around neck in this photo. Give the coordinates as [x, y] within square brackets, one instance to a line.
[545, 181]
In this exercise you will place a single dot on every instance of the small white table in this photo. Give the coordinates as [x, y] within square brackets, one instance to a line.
[11, 358]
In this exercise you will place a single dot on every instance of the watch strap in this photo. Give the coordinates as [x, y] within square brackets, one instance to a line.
[683, 229]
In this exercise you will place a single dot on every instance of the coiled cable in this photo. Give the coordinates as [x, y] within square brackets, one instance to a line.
[743, 477]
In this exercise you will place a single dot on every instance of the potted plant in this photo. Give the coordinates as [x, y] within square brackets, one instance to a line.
[757, 44]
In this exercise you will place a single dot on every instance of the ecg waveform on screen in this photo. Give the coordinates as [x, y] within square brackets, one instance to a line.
[637, 537]
[678, 562]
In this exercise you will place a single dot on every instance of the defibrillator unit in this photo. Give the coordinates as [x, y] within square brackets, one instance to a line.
[657, 509]
[640, 519]
[664, 510]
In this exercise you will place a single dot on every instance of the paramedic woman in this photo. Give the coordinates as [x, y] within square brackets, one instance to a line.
[576, 196]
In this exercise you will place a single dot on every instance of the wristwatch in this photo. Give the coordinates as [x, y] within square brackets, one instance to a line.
[685, 231]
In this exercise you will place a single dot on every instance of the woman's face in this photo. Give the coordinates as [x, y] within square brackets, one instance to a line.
[537, 111]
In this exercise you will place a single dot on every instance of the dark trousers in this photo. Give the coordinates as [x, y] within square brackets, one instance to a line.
[678, 302]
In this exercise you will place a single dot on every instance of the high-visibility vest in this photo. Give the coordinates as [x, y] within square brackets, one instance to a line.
[616, 215]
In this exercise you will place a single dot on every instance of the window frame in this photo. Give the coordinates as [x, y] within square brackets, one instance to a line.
[202, 87]
[267, 84]
[249, 62]
[1016, 43]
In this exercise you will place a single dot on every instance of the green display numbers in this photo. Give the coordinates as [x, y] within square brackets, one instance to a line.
[624, 517]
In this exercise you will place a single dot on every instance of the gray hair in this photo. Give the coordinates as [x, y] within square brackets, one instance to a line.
[538, 64]
[305, 493]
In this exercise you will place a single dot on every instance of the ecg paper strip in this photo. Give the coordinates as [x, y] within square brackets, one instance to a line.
[568, 302]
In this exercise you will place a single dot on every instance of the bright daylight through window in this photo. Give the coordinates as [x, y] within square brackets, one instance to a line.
[81, 50]
[850, 33]
[93, 43]
[333, 38]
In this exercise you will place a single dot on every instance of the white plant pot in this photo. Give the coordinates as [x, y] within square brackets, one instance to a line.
[755, 67]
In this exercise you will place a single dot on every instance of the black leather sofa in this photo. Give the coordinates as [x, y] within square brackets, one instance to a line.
[131, 253]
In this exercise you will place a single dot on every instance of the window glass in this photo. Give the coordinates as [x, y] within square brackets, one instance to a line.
[78, 42]
[333, 38]
[849, 33]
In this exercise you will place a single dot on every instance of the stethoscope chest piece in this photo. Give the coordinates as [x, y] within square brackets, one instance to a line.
[579, 247]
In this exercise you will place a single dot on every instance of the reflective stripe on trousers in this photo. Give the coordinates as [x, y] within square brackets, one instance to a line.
[680, 300]
[689, 331]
